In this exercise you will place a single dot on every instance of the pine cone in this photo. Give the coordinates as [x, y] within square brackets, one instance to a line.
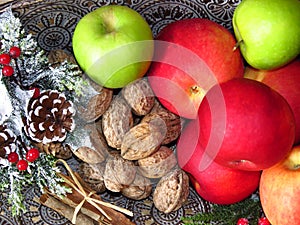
[7, 141]
[49, 117]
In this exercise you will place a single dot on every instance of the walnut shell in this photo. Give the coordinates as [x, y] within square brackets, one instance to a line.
[139, 96]
[172, 123]
[118, 173]
[171, 191]
[98, 151]
[139, 189]
[88, 155]
[96, 105]
[158, 164]
[116, 121]
[92, 174]
[141, 141]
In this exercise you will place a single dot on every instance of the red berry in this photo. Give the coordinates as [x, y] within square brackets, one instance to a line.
[4, 59]
[22, 165]
[36, 92]
[7, 70]
[32, 154]
[15, 52]
[242, 221]
[13, 157]
[264, 221]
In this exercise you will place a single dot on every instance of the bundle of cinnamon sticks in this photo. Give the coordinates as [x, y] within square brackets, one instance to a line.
[83, 205]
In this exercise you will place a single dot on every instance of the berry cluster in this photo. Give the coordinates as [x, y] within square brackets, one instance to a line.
[5, 60]
[31, 155]
[22, 164]
[261, 221]
[8, 70]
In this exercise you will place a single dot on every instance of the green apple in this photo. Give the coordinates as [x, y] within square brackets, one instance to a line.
[113, 45]
[268, 32]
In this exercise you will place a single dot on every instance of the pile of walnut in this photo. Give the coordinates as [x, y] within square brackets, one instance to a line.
[131, 151]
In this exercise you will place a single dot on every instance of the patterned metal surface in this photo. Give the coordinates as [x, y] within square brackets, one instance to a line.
[52, 23]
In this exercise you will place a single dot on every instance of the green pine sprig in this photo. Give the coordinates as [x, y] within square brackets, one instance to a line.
[66, 77]
[12, 184]
[33, 66]
[43, 172]
[249, 208]
[32, 69]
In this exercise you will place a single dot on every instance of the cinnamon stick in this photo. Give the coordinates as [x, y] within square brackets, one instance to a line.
[65, 210]
[75, 198]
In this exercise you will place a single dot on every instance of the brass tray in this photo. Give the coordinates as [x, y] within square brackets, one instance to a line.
[52, 23]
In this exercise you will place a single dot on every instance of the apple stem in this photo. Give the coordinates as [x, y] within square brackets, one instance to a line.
[237, 45]
[195, 89]
[296, 167]
[291, 166]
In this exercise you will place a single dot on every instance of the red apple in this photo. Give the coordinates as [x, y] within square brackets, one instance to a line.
[280, 190]
[245, 124]
[191, 56]
[213, 182]
[286, 81]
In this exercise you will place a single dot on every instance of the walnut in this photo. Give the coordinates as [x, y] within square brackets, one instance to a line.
[139, 189]
[88, 155]
[118, 173]
[97, 150]
[157, 164]
[96, 105]
[172, 123]
[116, 121]
[142, 140]
[92, 174]
[171, 191]
[139, 96]
[49, 117]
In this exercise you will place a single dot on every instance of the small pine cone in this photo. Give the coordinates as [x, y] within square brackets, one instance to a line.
[59, 56]
[92, 175]
[56, 149]
[7, 141]
[49, 117]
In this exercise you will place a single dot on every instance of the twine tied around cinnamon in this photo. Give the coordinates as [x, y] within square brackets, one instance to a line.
[87, 197]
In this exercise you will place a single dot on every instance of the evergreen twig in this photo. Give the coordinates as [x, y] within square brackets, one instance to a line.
[32, 69]
[249, 208]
